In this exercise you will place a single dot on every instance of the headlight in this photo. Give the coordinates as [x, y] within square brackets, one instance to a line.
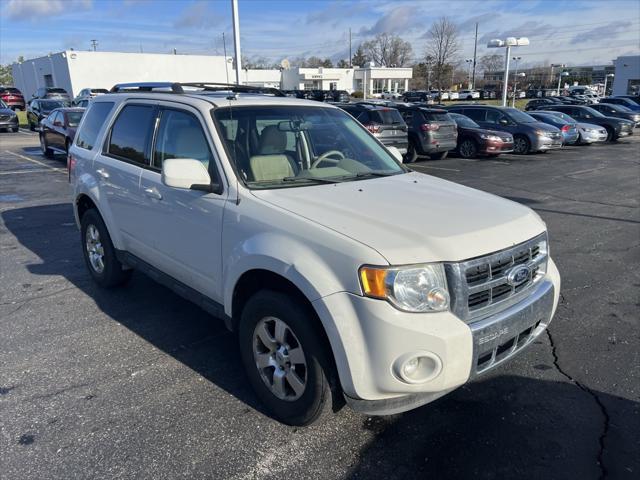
[414, 288]
[542, 133]
[492, 138]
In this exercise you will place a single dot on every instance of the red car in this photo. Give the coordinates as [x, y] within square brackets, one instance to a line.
[58, 130]
[12, 97]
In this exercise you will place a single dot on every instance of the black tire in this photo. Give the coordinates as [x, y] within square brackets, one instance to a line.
[112, 273]
[521, 145]
[611, 135]
[412, 153]
[14, 129]
[299, 318]
[468, 148]
[46, 151]
[32, 127]
[438, 156]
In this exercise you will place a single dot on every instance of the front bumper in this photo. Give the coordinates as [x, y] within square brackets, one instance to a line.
[497, 147]
[593, 137]
[546, 143]
[369, 336]
[9, 123]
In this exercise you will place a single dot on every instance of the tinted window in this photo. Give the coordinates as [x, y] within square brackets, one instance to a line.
[49, 105]
[476, 114]
[57, 117]
[387, 117]
[493, 116]
[130, 133]
[96, 115]
[180, 136]
[436, 116]
[57, 90]
[73, 118]
[363, 117]
[518, 116]
[464, 121]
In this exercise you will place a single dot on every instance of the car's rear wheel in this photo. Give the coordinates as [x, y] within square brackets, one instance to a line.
[284, 357]
[438, 156]
[412, 152]
[521, 145]
[46, 151]
[99, 253]
[32, 127]
[468, 148]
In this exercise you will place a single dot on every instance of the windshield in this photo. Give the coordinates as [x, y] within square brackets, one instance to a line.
[592, 112]
[386, 116]
[518, 116]
[287, 146]
[73, 118]
[463, 121]
[99, 90]
[57, 90]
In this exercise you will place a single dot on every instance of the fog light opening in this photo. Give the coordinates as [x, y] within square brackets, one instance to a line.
[418, 367]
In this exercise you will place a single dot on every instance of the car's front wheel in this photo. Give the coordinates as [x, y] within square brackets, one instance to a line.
[412, 152]
[284, 357]
[521, 145]
[99, 253]
[468, 148]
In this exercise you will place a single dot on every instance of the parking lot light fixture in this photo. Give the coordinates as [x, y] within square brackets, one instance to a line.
[606, 77]
[507, 43]
[560, 75]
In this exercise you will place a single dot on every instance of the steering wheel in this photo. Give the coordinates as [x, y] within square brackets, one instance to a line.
[326, 155]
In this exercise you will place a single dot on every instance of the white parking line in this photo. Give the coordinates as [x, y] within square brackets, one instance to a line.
[27, 132]
[33, 170]
[33, 160]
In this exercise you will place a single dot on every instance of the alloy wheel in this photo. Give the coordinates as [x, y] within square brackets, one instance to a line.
[94, 247]
[279, 358]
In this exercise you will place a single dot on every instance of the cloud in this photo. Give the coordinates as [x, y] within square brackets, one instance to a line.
[531, 28]
[197, 15]
[40, 9]
[335, 11]
[470, 23]
[608, 31]
[398, 20]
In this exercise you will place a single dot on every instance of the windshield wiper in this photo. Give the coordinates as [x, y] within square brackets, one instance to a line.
[312, 179]
[376, 173]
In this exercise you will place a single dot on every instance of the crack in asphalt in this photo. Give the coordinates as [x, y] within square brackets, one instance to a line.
[587, 390]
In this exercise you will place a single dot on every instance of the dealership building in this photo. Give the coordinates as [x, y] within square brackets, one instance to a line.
[75, 70]
[627, 79]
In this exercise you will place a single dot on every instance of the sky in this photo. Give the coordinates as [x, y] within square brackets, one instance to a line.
[578, 32]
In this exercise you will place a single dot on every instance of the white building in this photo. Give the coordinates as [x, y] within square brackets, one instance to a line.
[627, 75]
[75, 70]
[375, 79]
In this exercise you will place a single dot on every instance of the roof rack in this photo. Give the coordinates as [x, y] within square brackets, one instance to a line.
[177, 87]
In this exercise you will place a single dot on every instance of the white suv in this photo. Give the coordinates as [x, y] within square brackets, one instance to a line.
[344, 274]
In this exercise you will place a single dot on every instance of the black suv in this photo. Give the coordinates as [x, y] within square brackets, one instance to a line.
[432, 131]
[539, 102]
[336, 96]
[529, 135]
[416, 96]
[385, 123]
[615, 127]
[52, 92]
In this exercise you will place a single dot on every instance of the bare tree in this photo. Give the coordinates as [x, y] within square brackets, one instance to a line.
[442, 47]
[359, 58]
[388, 50]
[492, 63]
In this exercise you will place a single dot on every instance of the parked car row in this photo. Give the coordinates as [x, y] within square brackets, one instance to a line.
[319, 95]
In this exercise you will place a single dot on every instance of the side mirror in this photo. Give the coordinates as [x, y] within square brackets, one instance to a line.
[187, 173]
[396, 153]
[504, 121]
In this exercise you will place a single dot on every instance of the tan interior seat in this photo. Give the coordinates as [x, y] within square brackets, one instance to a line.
[271, 163]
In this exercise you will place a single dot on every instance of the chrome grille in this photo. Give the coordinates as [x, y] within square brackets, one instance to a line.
[481, 286]
[4, 118]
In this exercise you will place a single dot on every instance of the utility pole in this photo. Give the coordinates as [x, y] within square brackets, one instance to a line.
[94, 44]
[236, 39]
[350, 57]
[475, 50]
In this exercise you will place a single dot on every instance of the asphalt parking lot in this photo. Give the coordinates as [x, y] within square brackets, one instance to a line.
[139, 383]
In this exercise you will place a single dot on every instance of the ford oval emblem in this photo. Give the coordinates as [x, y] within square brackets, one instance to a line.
[518, 275]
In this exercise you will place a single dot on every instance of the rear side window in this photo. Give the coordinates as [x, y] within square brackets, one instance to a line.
[476, 114]
[130, 133]
[180, 136]
[363, 117]
[96, 115]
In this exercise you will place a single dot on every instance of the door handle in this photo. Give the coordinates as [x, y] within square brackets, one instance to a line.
[152, 192]
[102, 172]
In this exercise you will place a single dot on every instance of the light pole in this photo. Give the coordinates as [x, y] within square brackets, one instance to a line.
[507, 43]
[469, 64]
[429, 62]
[515, 80]
[608, 75]
[560, 75]
[560, 65]
[515, 86]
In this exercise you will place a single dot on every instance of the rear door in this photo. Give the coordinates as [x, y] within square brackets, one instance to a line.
[183, 227]
[392, 130]
[119, 167]
[447, 131]
[56, 132]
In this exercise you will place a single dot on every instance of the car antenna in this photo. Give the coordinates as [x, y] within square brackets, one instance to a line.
[226, 71]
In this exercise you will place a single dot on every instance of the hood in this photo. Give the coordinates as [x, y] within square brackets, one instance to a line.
[543, 126]
[412, 218]
[7, 111]
[486, 131]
